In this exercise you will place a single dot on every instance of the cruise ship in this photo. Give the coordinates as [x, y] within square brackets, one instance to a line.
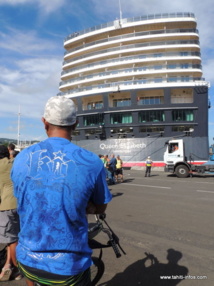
[137, 83]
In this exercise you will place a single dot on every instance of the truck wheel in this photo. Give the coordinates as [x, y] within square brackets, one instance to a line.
[182, 171]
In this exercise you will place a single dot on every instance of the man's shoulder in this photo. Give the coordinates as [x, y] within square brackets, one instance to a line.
[5, 163]
[27, 149]
[76, 152]
[86, 153]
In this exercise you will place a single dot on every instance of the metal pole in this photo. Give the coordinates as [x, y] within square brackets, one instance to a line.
[121, 17]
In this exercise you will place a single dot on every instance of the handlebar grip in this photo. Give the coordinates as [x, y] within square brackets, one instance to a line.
[102, 216]
[115, 248]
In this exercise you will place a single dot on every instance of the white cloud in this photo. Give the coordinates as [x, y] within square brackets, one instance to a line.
[45, 7]
[30, 72]
[24, 42]
[30, 85]
[48, 7]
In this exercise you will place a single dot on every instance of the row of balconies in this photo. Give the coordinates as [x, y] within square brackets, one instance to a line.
[123, 22]
[134, 48]
[134, 36]
[170, 56]
[142, 71]
[133, 84]
[141, 98]
[140, 101]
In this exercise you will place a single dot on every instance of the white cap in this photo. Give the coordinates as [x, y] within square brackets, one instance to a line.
[60, 111]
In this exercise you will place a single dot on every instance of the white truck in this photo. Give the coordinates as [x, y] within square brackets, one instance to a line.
[176, 162]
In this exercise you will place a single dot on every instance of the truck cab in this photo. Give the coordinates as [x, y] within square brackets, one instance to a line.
[174, 158]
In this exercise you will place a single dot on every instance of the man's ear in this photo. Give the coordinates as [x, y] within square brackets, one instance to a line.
[75, 125]
[46, 124]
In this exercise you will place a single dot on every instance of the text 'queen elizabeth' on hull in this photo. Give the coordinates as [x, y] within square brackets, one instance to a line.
[137, 83]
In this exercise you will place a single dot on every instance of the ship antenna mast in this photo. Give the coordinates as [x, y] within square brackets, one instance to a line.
[121, 16]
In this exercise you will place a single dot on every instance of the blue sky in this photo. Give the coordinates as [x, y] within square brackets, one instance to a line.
[31, 50]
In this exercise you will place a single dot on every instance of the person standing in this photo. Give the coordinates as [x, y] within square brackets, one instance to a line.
[119, 169]
[112, 169]
[9, 219]
[148, 166]
[11, 148]
[106, 165]
[56, 184]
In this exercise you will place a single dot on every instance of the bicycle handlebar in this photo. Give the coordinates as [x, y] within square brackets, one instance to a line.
[113, 238]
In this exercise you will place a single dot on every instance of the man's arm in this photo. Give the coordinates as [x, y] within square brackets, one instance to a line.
[95, 209]
[101, 194]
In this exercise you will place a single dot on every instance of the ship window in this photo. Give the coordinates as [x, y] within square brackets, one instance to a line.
[124, 130]
[182, 95]
[185, 78]
[172, 79]
[95, 119]
[158, 67]
[185, 66]
[151, 116]
[184, 53]
[181, 128]
[182, 115]
[157, 55]
[121, 118]
[95, 105]
[121, 102]
[171, 66]
[93, 131]
[151, 100]
[75, 133]
[147, 129]
[156, 80]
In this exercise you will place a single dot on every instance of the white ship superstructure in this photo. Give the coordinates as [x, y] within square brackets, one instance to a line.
[138, 78]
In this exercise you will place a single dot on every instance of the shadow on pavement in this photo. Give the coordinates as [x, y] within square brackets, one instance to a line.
[116, 194]
[150, 272]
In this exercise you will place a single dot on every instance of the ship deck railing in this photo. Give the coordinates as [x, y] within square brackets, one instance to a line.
[131, 20]
[118, 85]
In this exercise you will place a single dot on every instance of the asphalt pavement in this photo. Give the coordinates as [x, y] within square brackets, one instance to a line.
[170, 219]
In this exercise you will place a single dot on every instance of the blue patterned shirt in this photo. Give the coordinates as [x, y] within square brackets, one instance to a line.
[53, 182]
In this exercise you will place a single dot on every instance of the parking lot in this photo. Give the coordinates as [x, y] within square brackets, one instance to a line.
[168, 217]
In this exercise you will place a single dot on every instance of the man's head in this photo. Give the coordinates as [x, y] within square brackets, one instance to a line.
[4, 152]
[60, 111]
[11, 146]
[60, 117]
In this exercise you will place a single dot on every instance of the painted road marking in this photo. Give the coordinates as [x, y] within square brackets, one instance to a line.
[201, 191]
[149, 186]
[168, 188]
